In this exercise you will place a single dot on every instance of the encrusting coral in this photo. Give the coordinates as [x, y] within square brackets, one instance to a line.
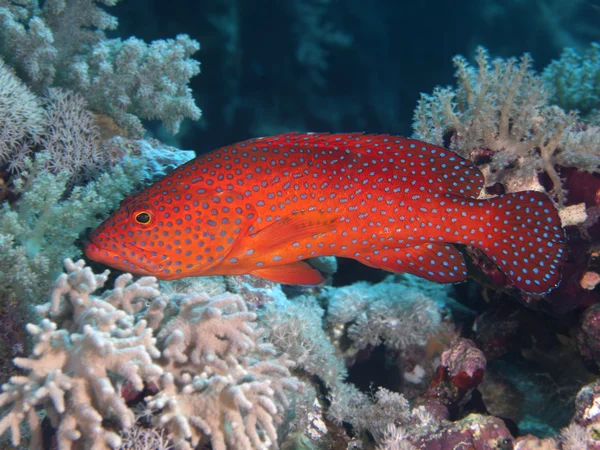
[213, 378]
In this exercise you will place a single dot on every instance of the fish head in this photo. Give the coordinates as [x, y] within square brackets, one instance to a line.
[125, 240]
[169, 236]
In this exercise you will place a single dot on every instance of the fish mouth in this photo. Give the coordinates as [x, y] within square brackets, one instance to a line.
[133, 266]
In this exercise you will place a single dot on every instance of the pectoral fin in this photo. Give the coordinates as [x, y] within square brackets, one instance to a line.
[294, 273]
[293, 227]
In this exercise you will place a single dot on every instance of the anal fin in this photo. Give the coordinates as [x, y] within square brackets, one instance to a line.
[294, 273]
[441, 263]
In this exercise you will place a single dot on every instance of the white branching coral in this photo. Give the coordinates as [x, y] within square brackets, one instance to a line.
[215, 379]
[217, 363]
[75, 373]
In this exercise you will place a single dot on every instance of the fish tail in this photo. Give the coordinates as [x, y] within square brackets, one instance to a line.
[526, 240]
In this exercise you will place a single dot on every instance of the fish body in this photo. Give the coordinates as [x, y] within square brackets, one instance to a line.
[264, 205]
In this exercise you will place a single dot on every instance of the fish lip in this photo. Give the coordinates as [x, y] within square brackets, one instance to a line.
[89, 250]
[92, 248]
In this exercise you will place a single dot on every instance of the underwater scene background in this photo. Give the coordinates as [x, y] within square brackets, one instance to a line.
[101, 99]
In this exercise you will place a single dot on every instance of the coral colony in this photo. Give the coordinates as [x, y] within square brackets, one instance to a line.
[218, 305]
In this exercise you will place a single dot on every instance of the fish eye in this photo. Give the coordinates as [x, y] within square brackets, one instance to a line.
[143, 217]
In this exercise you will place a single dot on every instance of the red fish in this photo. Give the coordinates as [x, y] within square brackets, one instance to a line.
[262, 206]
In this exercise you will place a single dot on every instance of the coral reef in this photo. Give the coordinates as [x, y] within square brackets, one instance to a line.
[220, 376]
[85, 348]
[295, 326]
[61, 44]
[109, 77]
[501, 118]
[71, 138]
[215, 380]
[505, 118]
[460, 371]
[386, 312]
[400, 314]
[41, 227]
[62, 166]
[244, 363]
[22, 118]
[574, 80]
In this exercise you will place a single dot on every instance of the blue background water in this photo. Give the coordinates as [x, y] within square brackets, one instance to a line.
[278, 65]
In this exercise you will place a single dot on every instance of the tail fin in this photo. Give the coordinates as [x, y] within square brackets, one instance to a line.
[526, 240]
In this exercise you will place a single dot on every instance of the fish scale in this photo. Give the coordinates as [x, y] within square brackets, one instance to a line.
[264, 205]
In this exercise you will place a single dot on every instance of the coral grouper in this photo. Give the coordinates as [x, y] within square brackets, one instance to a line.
[262, 206]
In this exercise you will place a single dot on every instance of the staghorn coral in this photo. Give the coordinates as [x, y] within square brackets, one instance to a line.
[213, 378]
[501, 118]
